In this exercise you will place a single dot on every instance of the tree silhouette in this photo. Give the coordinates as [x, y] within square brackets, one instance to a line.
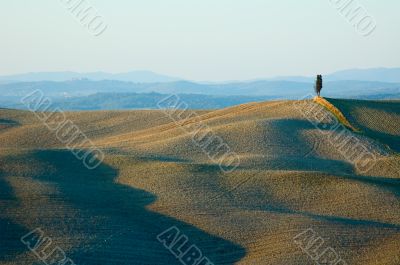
[318, 85]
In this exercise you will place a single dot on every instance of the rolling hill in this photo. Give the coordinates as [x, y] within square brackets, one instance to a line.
[157, 173]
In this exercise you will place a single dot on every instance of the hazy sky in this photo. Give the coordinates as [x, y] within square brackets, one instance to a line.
[197, 40]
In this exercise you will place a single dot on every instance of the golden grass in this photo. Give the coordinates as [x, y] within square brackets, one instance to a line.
[335, 111]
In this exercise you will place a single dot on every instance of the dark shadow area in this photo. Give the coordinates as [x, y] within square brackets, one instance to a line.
[10, 239]
[308, 164]
[390, 140]
[279, 208]
[6, 192]
[334, 219]
[387, 184]
[8, 122]
[283, 137]
[114, 221]
[10, 232]
[384, 105]
[391, 185]
[293, 152]
[10, 243]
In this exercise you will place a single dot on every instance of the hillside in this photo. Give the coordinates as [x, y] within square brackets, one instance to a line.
[376, 119]
[292, 176]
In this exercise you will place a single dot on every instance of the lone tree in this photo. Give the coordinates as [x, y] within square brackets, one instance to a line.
[318, 85]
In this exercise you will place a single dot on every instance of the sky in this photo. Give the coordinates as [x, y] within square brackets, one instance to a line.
[207, 40]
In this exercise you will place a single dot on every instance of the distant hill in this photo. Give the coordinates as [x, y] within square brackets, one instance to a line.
[278, 89]
[124, 101]
[374, 74]
[108, 94]
[134, 76]
[387, 75]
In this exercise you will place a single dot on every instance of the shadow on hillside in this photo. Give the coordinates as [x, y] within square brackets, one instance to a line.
[10, 232]
[10, 243]
[387, 106]
[114, 219]
[274, 205]
[393, 141]
[8, 122]
[347, 106]
[386, 184]
[333, 218]
[292, 151]
[328, 220]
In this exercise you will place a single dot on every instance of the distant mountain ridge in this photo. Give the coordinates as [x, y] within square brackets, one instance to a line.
[277, 89]
[109, 94]
[74, 91]
[387, 75]
[391, 75]
[134, 76]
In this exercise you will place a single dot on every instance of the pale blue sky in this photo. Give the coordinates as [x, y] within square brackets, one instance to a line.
[197, 40]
